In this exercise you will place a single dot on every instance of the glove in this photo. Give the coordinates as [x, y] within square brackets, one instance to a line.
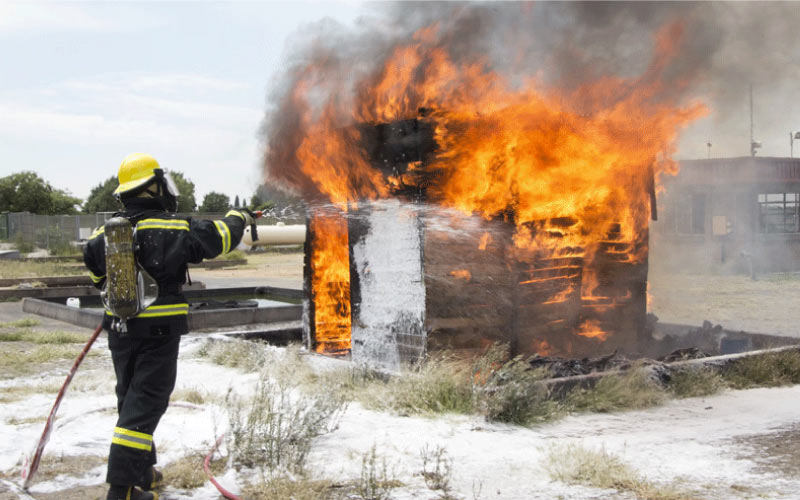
[248, 219]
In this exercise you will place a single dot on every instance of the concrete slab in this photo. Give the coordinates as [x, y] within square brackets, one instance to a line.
[10, 254]
[12, 311]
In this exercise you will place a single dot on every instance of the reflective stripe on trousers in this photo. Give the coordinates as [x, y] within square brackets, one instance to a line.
[132, 439]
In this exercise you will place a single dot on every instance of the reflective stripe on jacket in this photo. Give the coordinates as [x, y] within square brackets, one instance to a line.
[166, 243]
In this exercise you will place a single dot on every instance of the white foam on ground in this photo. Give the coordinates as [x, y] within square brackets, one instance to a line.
[686, 440]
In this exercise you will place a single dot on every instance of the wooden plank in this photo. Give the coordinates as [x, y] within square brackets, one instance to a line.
[469, 322]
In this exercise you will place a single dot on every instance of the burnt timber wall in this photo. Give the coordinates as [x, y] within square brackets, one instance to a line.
[469, 287]
[426, 279]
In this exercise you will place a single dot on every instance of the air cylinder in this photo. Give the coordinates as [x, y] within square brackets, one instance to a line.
[121, 281]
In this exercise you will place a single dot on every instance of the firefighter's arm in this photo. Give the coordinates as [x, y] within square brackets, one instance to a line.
[94, 256]
[210, 238]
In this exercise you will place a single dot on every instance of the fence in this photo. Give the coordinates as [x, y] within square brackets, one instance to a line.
[56, 231]
[49, 231]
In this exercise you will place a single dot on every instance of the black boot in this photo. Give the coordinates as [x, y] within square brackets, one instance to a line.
[156, 479]
[118, 492]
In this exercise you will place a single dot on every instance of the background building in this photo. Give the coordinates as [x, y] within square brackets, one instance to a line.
[729, 215]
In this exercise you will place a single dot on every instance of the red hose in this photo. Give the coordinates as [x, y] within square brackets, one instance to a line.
[27, 475]
[227, 494]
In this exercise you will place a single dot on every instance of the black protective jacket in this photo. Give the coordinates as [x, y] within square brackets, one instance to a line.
[165, 243]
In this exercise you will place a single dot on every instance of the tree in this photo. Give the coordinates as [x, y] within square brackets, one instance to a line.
[215, 202]
[63, 203]
[267, 197]
[102, 199]
[236, 201]
[186, 201]
[255, 201]
[27, 192]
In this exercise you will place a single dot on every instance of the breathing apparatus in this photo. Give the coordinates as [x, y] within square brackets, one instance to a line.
[129, 289]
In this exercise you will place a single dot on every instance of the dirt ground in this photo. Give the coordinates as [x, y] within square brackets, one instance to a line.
[767, 305]
[262, 269]
[775, 453]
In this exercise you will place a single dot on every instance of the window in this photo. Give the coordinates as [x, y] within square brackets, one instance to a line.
[778, 212]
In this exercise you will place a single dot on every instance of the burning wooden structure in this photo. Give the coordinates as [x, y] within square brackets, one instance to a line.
[455, 203]
[394, 278]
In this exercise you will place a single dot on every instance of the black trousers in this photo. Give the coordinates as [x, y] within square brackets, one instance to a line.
[146, 368]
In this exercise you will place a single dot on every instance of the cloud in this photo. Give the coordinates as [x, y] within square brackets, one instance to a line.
[194, 123]
[37, 17]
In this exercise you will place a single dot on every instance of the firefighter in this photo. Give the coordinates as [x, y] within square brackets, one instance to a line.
[144, 349]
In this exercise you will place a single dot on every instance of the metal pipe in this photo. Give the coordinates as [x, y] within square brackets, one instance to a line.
[278, 234]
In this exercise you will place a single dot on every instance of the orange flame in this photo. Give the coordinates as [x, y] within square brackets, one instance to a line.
[330, 282]
[486, 238]
[574, 167]
[463, 274]
[591, 329]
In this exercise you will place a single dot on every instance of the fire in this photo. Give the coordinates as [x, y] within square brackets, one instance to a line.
[463, 274]
[591, 329]
[486, 238]
[330, 285]
[577, 169]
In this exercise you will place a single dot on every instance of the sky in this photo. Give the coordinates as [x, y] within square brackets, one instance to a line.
[84, 84]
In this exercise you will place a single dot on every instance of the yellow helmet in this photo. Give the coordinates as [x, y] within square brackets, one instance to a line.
[137, 169]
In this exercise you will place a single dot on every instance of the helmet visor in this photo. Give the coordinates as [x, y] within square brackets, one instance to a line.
[172, 188]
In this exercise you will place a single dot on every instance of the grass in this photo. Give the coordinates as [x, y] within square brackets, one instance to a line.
[245, 355]
[766, 370]
[25, 361]
[18, 392]
[187, 473]
[507, 390]
[53, 466]
[376, 481]
[437, 470]
[437, 386]
[26, 421]
[30, 269]
[274, 430]
[22, 245]
[190, 395]
[297, 488]
[44, 337]
[573, 464]
[695, 383]
[20, 323]
[232, 255]
[627, 391]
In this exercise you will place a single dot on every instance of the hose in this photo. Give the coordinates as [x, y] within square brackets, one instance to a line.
[207, 469]
[28, 474]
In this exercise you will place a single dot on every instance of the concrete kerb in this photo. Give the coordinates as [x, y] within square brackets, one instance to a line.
[80, 317]
[49, 281]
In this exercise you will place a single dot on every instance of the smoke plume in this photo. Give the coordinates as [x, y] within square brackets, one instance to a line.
[722, 49]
